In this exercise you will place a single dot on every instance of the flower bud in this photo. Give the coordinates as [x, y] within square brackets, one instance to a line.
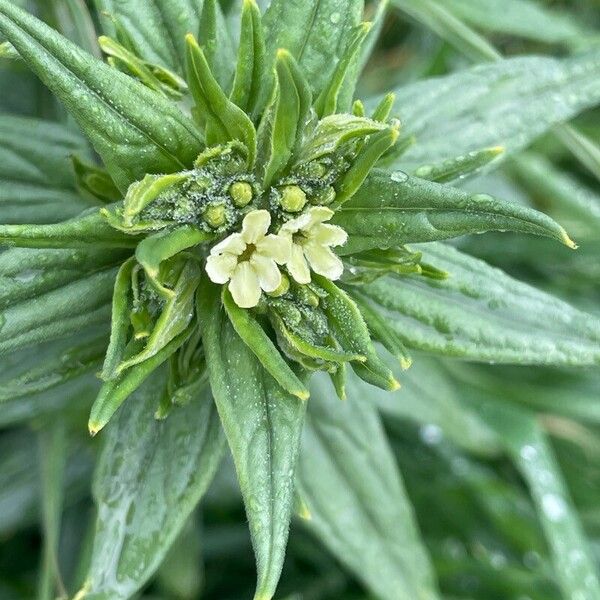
[241, 193]
[293, 198]
[215, 216]
[324, 197]
[283, 288]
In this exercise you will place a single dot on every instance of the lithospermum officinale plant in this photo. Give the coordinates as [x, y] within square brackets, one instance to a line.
[251, 229]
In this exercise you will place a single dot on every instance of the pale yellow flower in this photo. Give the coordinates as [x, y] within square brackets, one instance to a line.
[312, 241]
[248, 260]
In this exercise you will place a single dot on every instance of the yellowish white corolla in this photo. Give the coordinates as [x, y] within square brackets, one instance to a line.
[249, 260]
[312, 240]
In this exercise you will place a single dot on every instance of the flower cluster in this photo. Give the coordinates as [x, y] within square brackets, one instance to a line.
[250, 260]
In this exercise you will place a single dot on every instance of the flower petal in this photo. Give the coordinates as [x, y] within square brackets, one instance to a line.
[297, 265]
[244, 286]
[220, 268]
[277, 247]
[323, 261]
[328, 235]
[255, 226]
[267, 272]
[297, 224]
[234, 244]
[316, 215]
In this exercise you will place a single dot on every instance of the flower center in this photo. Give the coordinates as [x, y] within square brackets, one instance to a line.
[246, 255]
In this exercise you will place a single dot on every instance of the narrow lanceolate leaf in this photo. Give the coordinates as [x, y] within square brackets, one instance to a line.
[90, 229]
[522, 18]
[249, 81]
[134, 130]
[355, 500]
[480, 313]
[394, 209]
[225, 121]
[150, 477]
[508, 103]
[254, 336]
[156, 29]
[28, 273]
[316, 32]
[284, 118]
[531, 452]
[36, 177]
[58, 313]
[263, 425]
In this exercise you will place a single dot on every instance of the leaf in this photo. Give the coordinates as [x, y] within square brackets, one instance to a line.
[88, 229]
[527, 19]
[73, 20]
[284, 118]
[439, 19]
[254, 336]
[263, 425]
[315, 32]
[356, 502]
[134, 130]
[509, 103]
[395, 209]
[480, 313]
[36, 178]
[57, 313]
[224, 120]
[532, 454]
[150, 476]
[249, 81]
[157, 29]
[582, 147]
[27, 273]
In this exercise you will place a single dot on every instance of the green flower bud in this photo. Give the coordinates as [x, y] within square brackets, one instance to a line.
[241, 193]
[215, 215]
[305, 295]
[293, 198]
[283, 288]
[324, 197]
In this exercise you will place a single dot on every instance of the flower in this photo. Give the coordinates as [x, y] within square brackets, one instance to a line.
[248, 260]
[311, 245]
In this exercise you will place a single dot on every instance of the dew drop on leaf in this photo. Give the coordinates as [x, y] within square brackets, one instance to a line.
[399, 176]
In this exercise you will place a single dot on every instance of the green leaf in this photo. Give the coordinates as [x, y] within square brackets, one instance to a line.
[263, 425]
[36, 178]
[57, 313]
[480, 313]
[439, 19]
[315, 32]
[583, 148]
[216, 42]
[224, 120]
[527, 19]
[156, 29]
[27, 273]
[351, 331]
[134, 130]
[254, 336]
[283, 121]
[509, 103]
[150, 476]
[356, 502]
[53, 458]
[249, 81]
[395, 209]
[88, 229]
[529, 448]
[73, 20]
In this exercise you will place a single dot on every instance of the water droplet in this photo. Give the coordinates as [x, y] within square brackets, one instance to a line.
[335, 18]
[399, 176]
[528, 452]
[424, 171]
[431, 434]
[554, 507]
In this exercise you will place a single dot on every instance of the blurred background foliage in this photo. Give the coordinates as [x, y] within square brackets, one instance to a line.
[501, 464]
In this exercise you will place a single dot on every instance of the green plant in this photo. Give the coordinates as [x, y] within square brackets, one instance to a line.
[222, 235]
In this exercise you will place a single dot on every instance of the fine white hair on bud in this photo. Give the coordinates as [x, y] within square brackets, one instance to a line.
[312, 240]
[249, 260]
